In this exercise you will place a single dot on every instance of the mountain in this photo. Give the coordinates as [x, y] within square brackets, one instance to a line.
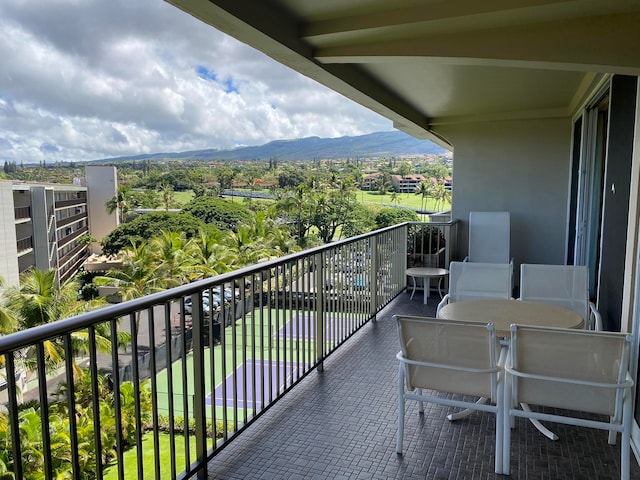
[379, 144]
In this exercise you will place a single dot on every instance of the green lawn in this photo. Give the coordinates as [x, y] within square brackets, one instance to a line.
[183, 197]
[130, 461]
[409, 200]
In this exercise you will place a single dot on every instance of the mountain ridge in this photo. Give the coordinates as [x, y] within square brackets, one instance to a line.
[372, 145]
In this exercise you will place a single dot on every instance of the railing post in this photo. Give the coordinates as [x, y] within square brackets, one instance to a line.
[199, 393]
[404, 242]
[373, 277]
[319, 283]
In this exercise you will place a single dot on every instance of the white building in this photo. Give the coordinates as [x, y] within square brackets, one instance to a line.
[42, 224]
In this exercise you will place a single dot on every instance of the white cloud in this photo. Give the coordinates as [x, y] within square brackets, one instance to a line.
[86, 79]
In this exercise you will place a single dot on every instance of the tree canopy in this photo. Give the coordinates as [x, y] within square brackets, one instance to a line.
[392, 216]
[148, 225]
[221, 213]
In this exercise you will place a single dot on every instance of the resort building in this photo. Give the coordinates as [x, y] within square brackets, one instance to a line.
[369, 182]
[407, 183]
[43, 224]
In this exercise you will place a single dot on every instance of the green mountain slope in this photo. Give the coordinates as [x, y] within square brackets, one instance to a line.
[379, 144]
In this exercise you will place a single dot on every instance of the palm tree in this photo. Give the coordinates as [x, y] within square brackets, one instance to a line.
[249, 248]
[424, 190]
[168, 251]
[441, 195]
[137, 277]
[119, 203]
[293, 204]
[207, 256]
[8, 319]
[38, 301]
[166, 191]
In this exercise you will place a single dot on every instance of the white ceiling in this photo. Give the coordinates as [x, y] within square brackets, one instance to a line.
[427, 63]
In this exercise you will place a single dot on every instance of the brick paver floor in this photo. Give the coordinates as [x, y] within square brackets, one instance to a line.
[341, 424]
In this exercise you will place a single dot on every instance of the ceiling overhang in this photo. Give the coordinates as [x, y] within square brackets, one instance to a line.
[428, 63]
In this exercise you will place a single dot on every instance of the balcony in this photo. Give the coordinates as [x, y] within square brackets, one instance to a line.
[22, 213]
[71, 202]
[24, 245]
[291, 362]
[72, 236]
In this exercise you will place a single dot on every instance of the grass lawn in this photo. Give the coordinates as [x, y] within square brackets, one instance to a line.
[183, 197]
[408, 200]
[130, 461]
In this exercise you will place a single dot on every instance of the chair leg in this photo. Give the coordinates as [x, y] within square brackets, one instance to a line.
[466, 412]
[401, 405]
[499, 463]
[625, 443]
[536, 423]
[506, 425]
[612, 435]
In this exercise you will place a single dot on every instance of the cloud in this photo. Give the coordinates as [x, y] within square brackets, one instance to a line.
[87, 79]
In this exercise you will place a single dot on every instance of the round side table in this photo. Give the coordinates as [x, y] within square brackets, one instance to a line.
[426, 273]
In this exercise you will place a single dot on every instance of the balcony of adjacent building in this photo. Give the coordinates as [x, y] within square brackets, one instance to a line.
[22, 214]
[70, 200]
[24, 245]
[285, 369]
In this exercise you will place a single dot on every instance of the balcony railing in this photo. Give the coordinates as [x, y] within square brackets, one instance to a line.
[22, 213]
[24, 244]
[71, 202]
[72, 236]
[66, 221]
[205, 359]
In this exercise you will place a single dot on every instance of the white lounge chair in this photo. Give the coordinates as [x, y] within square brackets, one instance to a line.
[474, 281]
[453, 357]
[563, 285]
[572, 370]
[489, 237]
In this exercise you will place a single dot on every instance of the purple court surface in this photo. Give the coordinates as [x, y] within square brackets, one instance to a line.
[267, 374]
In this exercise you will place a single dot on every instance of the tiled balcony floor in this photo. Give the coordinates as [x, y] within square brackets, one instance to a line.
[341, 424]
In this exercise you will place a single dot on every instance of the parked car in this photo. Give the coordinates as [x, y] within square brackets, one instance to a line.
[206, 304]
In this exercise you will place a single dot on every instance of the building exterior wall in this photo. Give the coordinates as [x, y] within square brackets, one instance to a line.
[102, 185]
[8, 240]
[71, 223]
[520, 166]
[41, 226]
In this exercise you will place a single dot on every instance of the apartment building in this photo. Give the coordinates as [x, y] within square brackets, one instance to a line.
[406, 184]
[43, 224]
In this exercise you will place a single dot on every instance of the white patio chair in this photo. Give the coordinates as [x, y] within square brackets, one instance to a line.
[489, 237]
[562, 285]
[473, 281]
[572, 370]
[453, 357]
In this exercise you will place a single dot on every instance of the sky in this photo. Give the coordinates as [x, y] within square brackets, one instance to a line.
[92, 79]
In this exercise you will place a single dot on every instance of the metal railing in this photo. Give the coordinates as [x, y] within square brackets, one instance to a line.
[24, 244]
[22, 213]
[204, 361]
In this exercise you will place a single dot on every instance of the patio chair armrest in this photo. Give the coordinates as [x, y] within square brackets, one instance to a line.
[447, 366]
[628, 383]
[443, 302]
[595, 319]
